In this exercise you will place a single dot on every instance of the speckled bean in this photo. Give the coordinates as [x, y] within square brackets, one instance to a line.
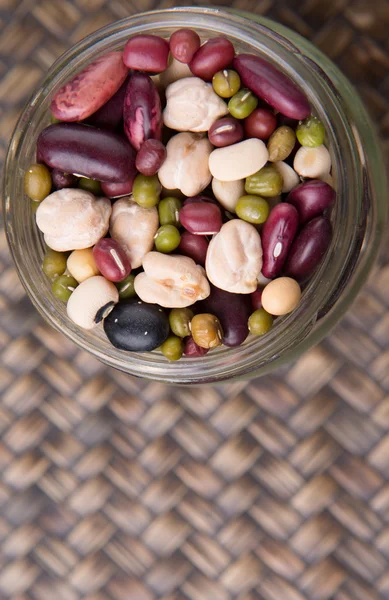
[90, 89]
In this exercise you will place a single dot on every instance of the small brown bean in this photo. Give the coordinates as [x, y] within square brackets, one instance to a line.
[150, 157]
[116, 190]
[201, 218]
[206, 330]
[260, 124]
[192, 350]
[225, 131]
[63, 180]
[184, 44]
[215, 55]
[111, 260]
[146, 53]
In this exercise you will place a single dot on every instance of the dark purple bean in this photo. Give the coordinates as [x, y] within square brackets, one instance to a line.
[213, 56]
[232, 310]
[115, 190]
[146, 53]
[110, 115]
[142, 111]
[283, 120]
[90, 89]
[192, 350]
[63, 180]
[277, 236]
[225, 131]
[274, 87]
[150, 157]
[194, 246]
[184, 44]
[201, 218]
[111, 260]
[260, 124]
[256, 299]
[93, 153]
[311, 199]
[308, 249]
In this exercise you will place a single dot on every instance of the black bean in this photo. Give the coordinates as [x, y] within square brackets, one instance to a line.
[136, 326]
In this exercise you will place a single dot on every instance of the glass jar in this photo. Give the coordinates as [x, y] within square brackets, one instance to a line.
[358, 217]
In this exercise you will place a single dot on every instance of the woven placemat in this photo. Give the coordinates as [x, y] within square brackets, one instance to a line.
[117, 489]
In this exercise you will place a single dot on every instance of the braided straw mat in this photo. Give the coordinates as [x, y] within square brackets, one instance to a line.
[116, 489]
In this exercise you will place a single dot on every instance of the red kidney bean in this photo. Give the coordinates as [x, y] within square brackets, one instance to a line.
[142, 111]
[192, 350]
[63, 180]
[115, 190]
[211, 57]
[200, 198]
[225, 131]
[277, 236]
[308, 248]
[111, 260]
[256, 299]
[89, 90]
[110, 115]
[93, 153]
[146, 53]
[184, 44]
[150, 157]
[260, 124]
[232, 310]
[201, 218]
[311, 199]
[194, 246]
[274, 87]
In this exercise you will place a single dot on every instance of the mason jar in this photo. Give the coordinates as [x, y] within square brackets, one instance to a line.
[358, 216]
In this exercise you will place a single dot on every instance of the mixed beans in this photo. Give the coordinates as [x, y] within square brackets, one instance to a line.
[183, 191]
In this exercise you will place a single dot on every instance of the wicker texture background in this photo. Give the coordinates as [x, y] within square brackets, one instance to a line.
[116, 489]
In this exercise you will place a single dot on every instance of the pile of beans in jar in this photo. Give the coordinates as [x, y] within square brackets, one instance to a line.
[183, 192]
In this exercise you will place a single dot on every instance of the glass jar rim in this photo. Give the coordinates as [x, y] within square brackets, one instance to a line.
[290, 330]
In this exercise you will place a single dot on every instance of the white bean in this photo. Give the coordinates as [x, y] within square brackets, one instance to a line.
[228, 192]
[238, 160]
[312, 162]
[234, 258]
[92, 301]
[289, 176]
